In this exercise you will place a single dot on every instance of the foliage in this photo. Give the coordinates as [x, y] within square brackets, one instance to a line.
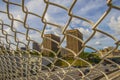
[70, 61]
[93, 58]
[90, 57]
[34, 53]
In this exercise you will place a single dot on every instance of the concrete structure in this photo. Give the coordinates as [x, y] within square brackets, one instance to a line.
[49, 44]
[64, 52]
[36, 46]
[73, 43]
[111, 55]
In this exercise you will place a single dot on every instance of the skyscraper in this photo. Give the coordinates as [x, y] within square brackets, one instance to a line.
[73, 43]
[36, 46]
[49, 44]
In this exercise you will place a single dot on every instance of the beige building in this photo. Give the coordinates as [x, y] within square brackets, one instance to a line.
[73, 43]
[49, 44]
[112, 54]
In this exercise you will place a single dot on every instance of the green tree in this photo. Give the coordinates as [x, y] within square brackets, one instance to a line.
[93, 58]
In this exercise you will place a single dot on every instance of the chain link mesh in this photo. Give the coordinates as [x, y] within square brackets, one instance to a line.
[25, 63]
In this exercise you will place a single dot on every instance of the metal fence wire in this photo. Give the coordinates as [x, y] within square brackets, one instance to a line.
[43, 56]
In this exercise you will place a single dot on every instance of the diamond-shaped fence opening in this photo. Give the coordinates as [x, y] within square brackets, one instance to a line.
[53, 40]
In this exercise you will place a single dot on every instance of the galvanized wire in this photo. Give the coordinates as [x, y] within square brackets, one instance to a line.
[17, 64]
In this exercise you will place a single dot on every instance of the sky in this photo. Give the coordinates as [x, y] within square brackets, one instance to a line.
[89, 9]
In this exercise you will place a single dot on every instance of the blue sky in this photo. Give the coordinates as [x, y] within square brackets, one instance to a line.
[89, 9]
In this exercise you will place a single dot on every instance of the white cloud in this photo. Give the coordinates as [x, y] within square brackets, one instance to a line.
[92, 5]
[91, 9]
[65, 3]
[85, 32]
[75, 21]
[100, 43]
[53, 30]
[36, 6]
[97, 43]
[99, 35]
[36, 37]
[114, 24]
[17, 13]
[85, 24]
[49, 18]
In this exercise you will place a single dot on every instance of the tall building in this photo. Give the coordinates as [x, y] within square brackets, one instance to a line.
[36, 46]
[49, 44]
[73, 43]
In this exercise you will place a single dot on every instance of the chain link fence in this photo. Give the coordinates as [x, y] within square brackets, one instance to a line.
[23, 57]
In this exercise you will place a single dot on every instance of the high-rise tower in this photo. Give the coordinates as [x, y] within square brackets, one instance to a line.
[73, 43]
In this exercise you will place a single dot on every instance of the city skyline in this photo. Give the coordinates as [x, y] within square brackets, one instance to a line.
[71, 43]
[91, 11]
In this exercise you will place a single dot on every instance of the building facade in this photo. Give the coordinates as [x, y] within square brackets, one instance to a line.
[49, 44]
[73, 43]
[36, 46]
[111, 55]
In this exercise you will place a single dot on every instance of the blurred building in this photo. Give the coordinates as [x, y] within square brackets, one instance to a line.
[73, 43]
[112, 54]
[36, 46]
[49, 44]
[23, 48]
[64, 52]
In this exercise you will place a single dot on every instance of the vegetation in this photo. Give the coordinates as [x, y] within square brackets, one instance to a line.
[89, 57]
[93, 58]
[70, 61]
